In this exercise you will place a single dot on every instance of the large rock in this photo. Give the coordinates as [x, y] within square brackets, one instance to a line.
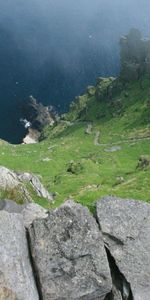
[10, 180]
[69, 256]
[125, 225]
[36, 184]
[16, 276]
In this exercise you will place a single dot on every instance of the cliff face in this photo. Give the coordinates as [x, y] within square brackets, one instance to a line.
[135, 55]
[36, 117]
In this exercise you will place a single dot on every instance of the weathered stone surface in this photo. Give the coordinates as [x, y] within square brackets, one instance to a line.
[125, 225]
[16, 276]
[36, 184]
[32, 212]
[6, 294]
[10, 206]
[69, 256]
[8, 179]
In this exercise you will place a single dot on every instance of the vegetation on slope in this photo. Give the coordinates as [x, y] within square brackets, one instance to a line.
[94, 149]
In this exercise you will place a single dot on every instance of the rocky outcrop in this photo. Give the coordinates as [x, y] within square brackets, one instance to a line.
[16, 275]
[125, 225]
[135, 55]
[32, 136]
[36, 184]
[105, 88]
[10, 180]
[135, 62]
[38, 114]
[69, 256]
[35, 117]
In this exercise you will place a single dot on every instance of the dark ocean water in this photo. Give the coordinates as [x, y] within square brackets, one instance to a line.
[52, 83]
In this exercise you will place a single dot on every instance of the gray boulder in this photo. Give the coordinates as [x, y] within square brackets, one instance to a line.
[68, 253]
[30, 211]
[36, 184]
[16, 276]
[10, 180]
[125, 225]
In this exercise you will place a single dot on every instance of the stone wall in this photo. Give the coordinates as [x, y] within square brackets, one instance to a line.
[67, 254]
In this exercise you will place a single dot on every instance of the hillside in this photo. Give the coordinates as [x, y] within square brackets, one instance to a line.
[100, 147]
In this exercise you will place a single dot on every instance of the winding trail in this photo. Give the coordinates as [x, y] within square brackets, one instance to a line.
[121, 141]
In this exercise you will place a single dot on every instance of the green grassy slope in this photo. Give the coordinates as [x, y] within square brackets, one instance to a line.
[74, 164]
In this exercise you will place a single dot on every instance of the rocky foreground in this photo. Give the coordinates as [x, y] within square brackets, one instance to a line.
[69, 254]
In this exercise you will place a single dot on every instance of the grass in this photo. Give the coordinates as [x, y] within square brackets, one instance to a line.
[123, 121]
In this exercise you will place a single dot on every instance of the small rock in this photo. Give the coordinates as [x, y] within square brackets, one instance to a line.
[144, 162]
[119, 180]
[113, 149]
[74, 167]
[46, 159]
